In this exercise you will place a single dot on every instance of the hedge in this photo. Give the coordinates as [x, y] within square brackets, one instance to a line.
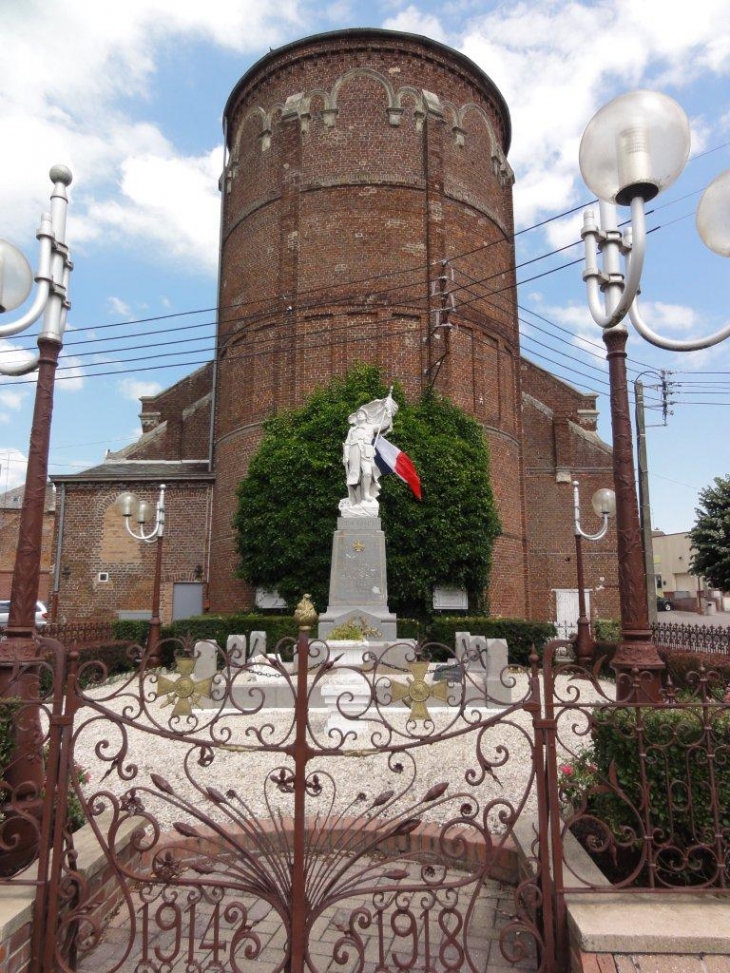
[521, 636]
[680, 666]
[676, 763]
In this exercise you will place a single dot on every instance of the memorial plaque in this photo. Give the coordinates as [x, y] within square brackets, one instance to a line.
[455, 599]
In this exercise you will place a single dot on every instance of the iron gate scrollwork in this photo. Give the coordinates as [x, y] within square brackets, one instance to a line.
[365, 843]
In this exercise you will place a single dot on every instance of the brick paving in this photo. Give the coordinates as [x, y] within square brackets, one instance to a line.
[195, 935]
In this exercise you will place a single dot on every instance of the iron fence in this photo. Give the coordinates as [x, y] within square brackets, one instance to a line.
[642, 784]
[683, 637]
[289, 843]
[80, 634]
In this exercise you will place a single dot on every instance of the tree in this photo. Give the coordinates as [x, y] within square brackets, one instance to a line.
[287, 504]
[710, 535]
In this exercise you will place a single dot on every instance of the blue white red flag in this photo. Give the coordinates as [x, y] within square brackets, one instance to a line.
[390, 459]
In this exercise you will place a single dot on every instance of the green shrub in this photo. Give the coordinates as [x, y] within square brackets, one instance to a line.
[674, 757]
[130, 631]
[681, 666]
[607, 630]
[410, 628]
[296, 478]
[521, 635]
[605, 651]
[217, 628]
[8, 709]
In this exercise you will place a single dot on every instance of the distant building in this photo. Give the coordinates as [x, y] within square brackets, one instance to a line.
[674, 580]
[10, 506]
[102, 570]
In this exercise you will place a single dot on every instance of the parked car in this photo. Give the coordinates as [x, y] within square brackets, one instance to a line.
[41, 614]
[664, 605]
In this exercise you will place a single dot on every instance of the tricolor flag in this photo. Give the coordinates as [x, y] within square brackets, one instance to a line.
[390, 459]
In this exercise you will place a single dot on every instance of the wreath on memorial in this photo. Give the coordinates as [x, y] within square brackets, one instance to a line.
[287, 504]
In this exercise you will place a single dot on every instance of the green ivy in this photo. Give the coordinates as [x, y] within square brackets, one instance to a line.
[287, 504]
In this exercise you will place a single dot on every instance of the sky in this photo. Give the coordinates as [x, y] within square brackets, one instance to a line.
[132, 103]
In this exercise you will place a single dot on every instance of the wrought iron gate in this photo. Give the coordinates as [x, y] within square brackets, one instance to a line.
[240, 837]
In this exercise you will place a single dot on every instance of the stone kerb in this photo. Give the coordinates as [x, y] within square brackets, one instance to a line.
[630, 932]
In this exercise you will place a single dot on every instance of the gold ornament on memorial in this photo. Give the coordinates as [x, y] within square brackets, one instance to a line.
[418, 691]
[184, 692]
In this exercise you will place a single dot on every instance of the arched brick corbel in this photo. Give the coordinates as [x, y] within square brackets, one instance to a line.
[393, 109]
[419, 112]
[264, 135]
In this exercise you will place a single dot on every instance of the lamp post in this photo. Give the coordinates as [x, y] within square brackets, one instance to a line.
[633, 149]
[604, 504]
[130, 506]
[24, 777]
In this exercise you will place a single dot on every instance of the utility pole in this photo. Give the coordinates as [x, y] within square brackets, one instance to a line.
[644, 504]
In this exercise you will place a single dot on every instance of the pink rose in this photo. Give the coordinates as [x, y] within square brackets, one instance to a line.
[566, 770]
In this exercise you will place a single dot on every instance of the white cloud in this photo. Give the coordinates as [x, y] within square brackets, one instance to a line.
[585, 334]
[566, 233]
[133, 388]
[165, 202]
[414, 21]
[556, 63]
[662, 317]
[119, 308]
[66, 95]
[72, 375]
[11, 398]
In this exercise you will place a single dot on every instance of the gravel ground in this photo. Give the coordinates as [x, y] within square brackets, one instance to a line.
[246, 760]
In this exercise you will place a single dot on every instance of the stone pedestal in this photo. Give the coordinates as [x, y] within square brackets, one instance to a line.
[358, 578]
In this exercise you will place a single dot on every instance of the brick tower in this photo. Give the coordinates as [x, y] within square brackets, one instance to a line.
[367, 189]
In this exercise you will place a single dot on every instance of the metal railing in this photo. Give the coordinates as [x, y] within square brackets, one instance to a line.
[79, 634]
[682, 637]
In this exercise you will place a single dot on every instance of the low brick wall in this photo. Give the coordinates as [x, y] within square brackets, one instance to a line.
[17, 895]
[459, 847]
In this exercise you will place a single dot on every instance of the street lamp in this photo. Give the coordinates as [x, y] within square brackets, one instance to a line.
[129, 506]
[54, 269]
[25, 775]
[604, 504]
[633, 149]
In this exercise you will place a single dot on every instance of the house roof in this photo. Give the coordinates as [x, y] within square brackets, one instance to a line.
[13, 499]
[158, 470]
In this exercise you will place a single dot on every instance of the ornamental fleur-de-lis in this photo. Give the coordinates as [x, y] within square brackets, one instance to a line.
[417, 691]
[185, 692]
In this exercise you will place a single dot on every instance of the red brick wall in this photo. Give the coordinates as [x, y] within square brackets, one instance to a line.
[9, 526]
[560, 438]
[185, 411]
[336, 220]
[94, 540]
